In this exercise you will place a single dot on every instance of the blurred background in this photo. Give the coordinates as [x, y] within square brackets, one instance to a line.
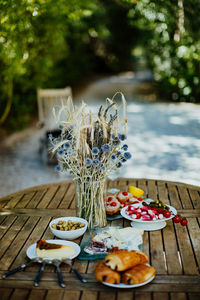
[148, 49]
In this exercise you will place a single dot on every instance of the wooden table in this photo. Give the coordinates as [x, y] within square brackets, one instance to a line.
[173, 251]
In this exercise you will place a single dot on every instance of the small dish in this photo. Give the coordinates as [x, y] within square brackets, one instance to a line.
[70, 234]
[31, 251]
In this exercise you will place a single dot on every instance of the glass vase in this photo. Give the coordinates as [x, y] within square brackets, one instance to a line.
[90, 202]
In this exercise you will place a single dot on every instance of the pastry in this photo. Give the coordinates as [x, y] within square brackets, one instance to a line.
[124, 196]
[45, 249]
[104, 273]
[122, 260]
[138, 274]
[112, 207]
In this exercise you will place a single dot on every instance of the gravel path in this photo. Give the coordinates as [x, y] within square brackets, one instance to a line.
[164, 139]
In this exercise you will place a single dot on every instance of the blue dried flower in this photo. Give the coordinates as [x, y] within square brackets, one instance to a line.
[103, 168]
[125, 147]
[96, 162]
[106, 148]
[123, 160]
[70, 152]
[116, 141]
[67, 145]
[121, 136]
[60, 126]
[127, 155]
[113, 156]
[88, 162]
[119, 153]
[95, 150]
[119, 165]
[60, 152]
[57, 168]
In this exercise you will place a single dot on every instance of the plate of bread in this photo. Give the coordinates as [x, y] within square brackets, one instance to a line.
[125, 269]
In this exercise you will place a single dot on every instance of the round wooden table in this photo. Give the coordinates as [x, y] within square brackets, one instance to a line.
[174, 251]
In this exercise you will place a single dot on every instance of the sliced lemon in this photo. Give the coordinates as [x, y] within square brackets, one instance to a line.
[136, 192]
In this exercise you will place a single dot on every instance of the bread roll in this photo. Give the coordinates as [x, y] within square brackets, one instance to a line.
[138, 274]
[122, 260]
[104, 273]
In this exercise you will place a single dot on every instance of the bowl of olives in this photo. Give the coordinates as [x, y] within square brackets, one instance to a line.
[68, 228]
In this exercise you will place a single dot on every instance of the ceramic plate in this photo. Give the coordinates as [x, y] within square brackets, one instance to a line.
[128, 286]
[31, 251]
[171, 208]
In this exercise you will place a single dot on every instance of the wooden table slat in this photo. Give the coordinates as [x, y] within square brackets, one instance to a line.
[186, 251]
[48, 197]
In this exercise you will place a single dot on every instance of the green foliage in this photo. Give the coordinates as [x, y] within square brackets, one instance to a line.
[171, 36]
[51, 44]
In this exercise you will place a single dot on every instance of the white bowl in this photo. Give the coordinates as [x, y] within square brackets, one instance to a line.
[71, 234]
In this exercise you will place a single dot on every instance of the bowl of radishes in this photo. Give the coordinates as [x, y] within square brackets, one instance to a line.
[147, 215]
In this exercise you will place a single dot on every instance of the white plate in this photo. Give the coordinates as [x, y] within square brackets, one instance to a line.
[128, 286]
[126, 216]
[31, 251]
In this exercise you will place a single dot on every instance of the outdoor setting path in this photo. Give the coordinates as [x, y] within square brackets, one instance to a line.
[164, 139]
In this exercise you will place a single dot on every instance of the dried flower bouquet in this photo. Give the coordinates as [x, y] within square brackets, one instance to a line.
[90, 147]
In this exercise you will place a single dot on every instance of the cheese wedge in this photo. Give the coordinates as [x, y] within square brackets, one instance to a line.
[48, 250]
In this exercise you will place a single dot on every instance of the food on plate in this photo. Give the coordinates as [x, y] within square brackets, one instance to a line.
[156, 204]
[124, 196]
[112, 205]
[104, 273]
[138, 274]
[122, 260]
[122, 266]
[147, 213]
[112, 238]
[45, 249]
[136, 192]
[70, 225]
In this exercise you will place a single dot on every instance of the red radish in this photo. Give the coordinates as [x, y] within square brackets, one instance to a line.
[144, 213]
[146, 218]
[145, 208]
[110, 198]
[138, 215]
[160, 216]
[133, 216]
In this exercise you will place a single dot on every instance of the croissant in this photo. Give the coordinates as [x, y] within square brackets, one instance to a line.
[104, 273]
[122, 260]
[138, 274]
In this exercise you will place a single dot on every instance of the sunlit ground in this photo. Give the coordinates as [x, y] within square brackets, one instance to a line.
[163, 138]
